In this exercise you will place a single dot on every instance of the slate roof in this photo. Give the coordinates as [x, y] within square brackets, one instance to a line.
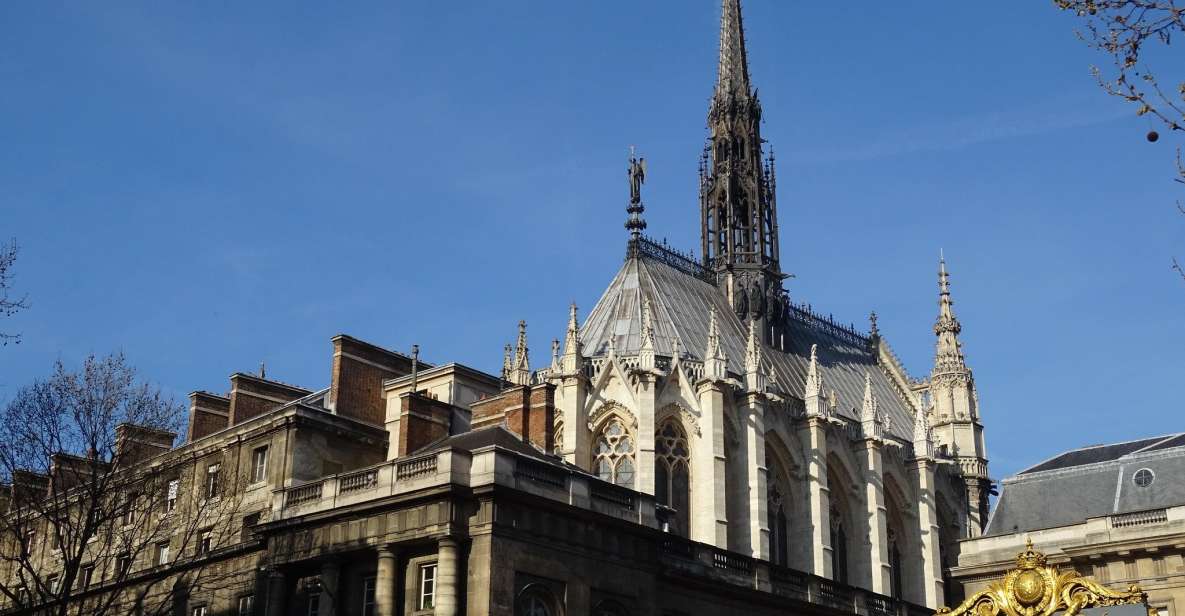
[1091, 482]
[680, 305]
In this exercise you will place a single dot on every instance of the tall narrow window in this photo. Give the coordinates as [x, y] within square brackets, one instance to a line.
[199, 611]
[123, 564]
[213, 473]
[54, 581]
[162, 553]
[171, 490]
[368, 596]
[246, 605]
[778, 540]
[894, 566]
[86, 576]
[205, 541]
[259, 464]
[613, 455]
[839, 548]
[672, 476]
[427, 596]
[314, 604]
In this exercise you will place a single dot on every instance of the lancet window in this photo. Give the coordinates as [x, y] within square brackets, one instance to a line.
[614, 455]
[839, 548]
[672, 479]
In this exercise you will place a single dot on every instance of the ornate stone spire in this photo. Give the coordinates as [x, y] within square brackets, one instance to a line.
[573, 353]
[507, 366]
[732, 77]
[755, 377]
[947, 328]
[521, 374]
[870, 419]
[555, 355]
[715, 362]
[923, 445]
[646, 359]
[816, 400]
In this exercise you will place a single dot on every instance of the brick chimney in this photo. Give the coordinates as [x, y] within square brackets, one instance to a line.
[208, 413]
[423, 420]
[526, 410]
[251, 396]
[359, 369]
[134, 444]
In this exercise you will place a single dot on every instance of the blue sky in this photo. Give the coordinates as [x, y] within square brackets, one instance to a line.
[208, 186]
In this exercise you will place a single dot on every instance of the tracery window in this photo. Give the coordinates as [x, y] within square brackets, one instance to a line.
[672, 480]
[778, 528]
[613, 455]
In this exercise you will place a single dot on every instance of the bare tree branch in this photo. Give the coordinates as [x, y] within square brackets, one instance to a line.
[9, 305]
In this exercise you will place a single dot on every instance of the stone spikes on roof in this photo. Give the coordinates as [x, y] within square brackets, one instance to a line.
[573, 353]
[507, 366]
[814, 378]
[947, 327]
[923, 443]
[646, 359]
[755, 375]
[520, 373]
[715, 362]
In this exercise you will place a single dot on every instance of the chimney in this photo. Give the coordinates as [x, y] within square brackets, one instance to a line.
[251, 396]
[359, 369]
[423, 420]
[208, 413]
[68, 471]
[526, 410]
[135, 444]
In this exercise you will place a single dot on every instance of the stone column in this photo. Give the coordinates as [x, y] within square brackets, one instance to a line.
[931, 592]
[818, 544]
[277, 594]
[879, 567]
[330, 573]
[386, 579]
[709, 513]
[447, 590]
[756, 471]
[570, 402]
[645, 462]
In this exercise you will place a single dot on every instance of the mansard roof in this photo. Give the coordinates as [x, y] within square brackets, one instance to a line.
[1091, 482]
[681, 300]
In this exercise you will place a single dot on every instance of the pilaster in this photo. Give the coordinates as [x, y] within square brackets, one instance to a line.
[931, 591]
[647, 391]
[879, 569]
[756, 470]
[709, 517]
[817, 547]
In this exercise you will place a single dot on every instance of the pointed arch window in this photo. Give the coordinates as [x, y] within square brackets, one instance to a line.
[839, 548]
[778, 526]
[672, 473]
[613, 455]
[894, 565]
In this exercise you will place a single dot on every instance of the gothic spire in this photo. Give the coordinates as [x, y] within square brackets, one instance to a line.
[506, 364]
[646, 359]
[947, 327]
[814, 380]
[923, 444]
[755, 376]
[732, 77]
[715, 363]
[521, 371]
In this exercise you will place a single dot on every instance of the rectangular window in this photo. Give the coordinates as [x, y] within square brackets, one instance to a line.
[259, 464]
[212, 477]
[171, 495]
[53, 539]
[199, 611]
[86, 576]
[53, 582]
[314, 604]
[248, 523]
[368, 596]
[246, 605]
[123, 564]
[427, 595]
[162, 553]
[205, 541]
[129, 510]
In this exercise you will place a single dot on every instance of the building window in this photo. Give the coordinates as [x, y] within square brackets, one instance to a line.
[672, 474]
[536, 600]
[86, 576]
[171, 491]
[199, 611]
[778, 544]
[123, 564]
[246, 605]
[426, 598]
[213, 473]
[53, 582]
[839, 548]
[249, 522]
[368, 596]
[895, 582]
[1144, 477]
[613, 455]
[259, 464]
[205, 541]
[314, 605]
[162, 553]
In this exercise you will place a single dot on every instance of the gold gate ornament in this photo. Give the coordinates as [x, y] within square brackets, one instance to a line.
[1034, 588]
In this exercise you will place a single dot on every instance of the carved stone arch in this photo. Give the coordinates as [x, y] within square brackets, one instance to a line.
[904, 542]
[610, 409]
[784, 502]
[672, 471]
[843, 518]
[688, 419]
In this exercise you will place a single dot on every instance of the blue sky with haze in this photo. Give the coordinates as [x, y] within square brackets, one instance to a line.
[208, 186]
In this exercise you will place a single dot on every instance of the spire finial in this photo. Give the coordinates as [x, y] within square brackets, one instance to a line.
[262, 370]
[733, 72]
[415, 367]
[947, 327]
[715, 363]
[506, 365]
[572, 351]
[555, 355]
[637, 174]
[754, 373]
[873, 328]
[521, 370]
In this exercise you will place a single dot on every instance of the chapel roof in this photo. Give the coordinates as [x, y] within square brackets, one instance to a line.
[680, 303]
[1091, 482]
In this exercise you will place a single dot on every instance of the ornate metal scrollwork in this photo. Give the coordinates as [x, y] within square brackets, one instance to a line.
[1034, 588]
